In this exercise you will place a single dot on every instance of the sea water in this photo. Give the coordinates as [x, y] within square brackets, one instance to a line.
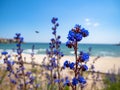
[40, 48]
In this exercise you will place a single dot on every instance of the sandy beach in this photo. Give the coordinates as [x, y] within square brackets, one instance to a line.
[102, 64]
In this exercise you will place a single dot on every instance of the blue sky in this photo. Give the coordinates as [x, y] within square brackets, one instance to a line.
[100, 17]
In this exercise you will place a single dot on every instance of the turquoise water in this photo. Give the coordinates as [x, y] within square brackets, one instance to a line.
[40, 48]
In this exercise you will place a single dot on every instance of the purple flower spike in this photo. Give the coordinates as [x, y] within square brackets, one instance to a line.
[77, 26]
[57, 81]
[69, 44]
[84, 56]
[18, 34]
[78, 37]
[84, 68]
[81, 80]
[9, 62]
[53, 59]
[54, 20]
[13, 81]
[74, 81]
[72, 65]
[66, 64]
[84, 32]
[54, 32]
[67, 82]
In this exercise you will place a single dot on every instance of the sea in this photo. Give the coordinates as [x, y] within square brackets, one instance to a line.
[40, 48]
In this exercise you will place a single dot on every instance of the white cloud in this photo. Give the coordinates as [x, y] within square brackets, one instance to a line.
[88, 23]
[87, 19]
[96, 24]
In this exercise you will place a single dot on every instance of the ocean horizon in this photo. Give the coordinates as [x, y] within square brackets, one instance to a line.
[40, 48]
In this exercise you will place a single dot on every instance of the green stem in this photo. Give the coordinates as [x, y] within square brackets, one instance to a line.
[58, 74]
[58, 63]
[75, 48]
[22, 64]
[11, 86]
[51, 80]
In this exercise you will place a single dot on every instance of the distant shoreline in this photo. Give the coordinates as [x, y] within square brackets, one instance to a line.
[62, 43]
[6, 40]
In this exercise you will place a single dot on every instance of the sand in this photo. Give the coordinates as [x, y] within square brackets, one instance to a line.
[103, 64]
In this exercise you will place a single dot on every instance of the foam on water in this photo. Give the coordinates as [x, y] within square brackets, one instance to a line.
[73, 52]
[105, 53]
[36, 51]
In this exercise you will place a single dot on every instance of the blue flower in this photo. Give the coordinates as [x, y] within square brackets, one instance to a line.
[84, 32]
[54, 28]
[20, 85]
[56, 80]
[21, 39]
[58, 42]
[77, 26]
[53, 59]
[18, 34]
[13, 81]
[54, 32]
[4, 53]
[84, 56]
[74, 81]
[52, 46]
[57, 24]
[27, 82]
[84, 68]
[71, 65]
[81, 80]
[66, 64]
[31, 79]
[50, 68]
[28, 73]
[61, 54]
[52, 40]
[22, 68]
[9, 56]
[58, 37]
[78, 37]
[69, 44]
[54, 20]
[9, 62]
[19, 51]
[18, 45]
[71, 35]
[54, 64]
[8, 68]
[67, 82]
